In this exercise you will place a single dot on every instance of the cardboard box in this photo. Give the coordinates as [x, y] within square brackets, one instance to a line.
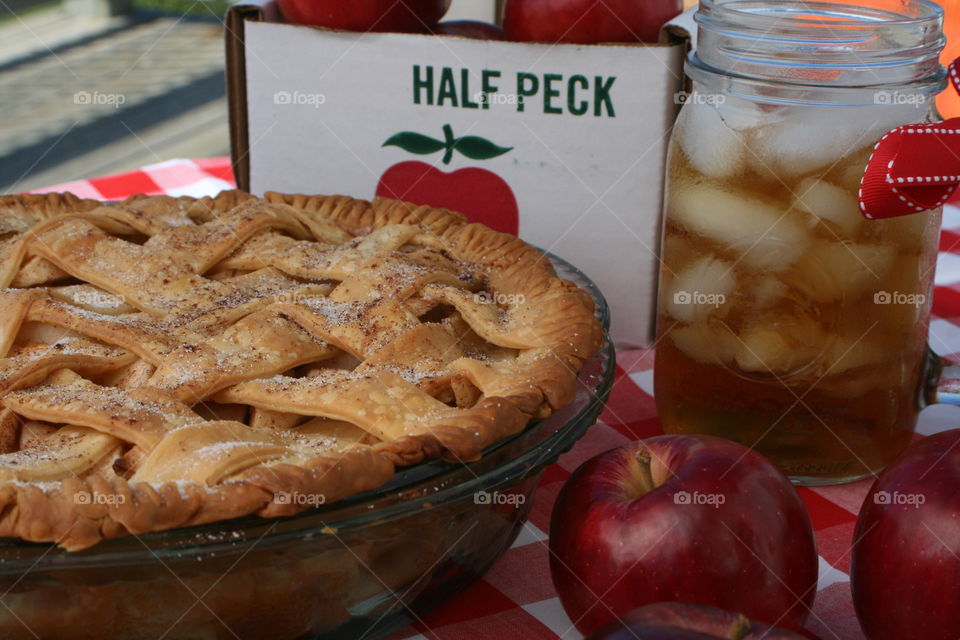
[571, 137]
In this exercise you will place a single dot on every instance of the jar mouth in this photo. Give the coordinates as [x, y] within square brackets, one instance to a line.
[822, 43]
[785, 14]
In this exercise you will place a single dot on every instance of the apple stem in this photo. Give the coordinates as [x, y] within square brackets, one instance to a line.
[449, 142]
[644, 476]
[740, 628]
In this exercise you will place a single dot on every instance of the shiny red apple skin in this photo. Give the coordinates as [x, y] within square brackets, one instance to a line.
[470, 29]
[587, 21]
[755, 553]
[905, 563]
[412, 16]
[682, 621]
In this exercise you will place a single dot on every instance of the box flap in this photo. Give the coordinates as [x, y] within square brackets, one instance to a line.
[682, 29]
[237, 15]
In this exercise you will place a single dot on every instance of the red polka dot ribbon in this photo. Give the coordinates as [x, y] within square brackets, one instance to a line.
[913, 168]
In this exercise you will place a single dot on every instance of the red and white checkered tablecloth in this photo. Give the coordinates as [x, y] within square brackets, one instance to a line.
[516, 599]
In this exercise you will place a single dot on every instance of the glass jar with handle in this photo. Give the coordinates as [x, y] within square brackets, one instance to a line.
[787, 320]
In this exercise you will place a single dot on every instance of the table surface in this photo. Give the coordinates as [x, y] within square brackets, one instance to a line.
[516, 599]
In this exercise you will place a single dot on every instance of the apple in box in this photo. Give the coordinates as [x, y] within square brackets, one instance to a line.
[587, 21]
[685, 518]
[417, 16]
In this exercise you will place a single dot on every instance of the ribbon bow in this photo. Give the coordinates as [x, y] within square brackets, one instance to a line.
[914, 167]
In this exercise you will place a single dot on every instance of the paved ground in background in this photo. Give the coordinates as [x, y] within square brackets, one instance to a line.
[86, 96]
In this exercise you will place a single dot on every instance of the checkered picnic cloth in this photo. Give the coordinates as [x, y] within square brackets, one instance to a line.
[516, 600]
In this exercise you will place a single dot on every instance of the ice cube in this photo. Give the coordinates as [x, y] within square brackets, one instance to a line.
[694, 341]
[760, 234]
[811, 138]
[829, 203]
[902, 322]
[740, 114]
[904, 299]
[701, 289]
[854, 168]
[768, 292]
[860, 358]
[913, 233]
[849, 352]
[909, 274]
[704, 343]
[830, 271]
[779, 345]
[711, 147]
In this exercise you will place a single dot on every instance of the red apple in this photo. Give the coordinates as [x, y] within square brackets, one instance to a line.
[682, 518]
[470, 29]
[587, 21]
[905, 571]
[679, 621]
[415, 16]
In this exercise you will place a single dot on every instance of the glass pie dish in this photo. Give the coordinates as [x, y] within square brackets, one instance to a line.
[361, 567]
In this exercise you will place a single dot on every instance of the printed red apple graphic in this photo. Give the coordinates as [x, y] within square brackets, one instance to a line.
[479, 194]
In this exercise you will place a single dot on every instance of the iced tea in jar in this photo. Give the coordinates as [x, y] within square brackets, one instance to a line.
[787, 320]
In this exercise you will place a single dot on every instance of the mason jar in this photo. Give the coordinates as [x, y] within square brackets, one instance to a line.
[787, 321]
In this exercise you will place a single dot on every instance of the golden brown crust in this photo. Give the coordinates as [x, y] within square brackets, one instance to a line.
[539, 346]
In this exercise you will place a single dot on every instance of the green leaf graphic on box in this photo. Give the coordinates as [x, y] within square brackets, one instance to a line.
[473, 147]
[414, 142]
[477, 148]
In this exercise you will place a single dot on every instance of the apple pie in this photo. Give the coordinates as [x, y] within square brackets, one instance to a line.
[175, 361]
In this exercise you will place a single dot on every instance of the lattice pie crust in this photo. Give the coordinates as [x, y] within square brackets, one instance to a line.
[175, 361]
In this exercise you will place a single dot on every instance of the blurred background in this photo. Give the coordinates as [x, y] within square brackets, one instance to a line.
[94, 87]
